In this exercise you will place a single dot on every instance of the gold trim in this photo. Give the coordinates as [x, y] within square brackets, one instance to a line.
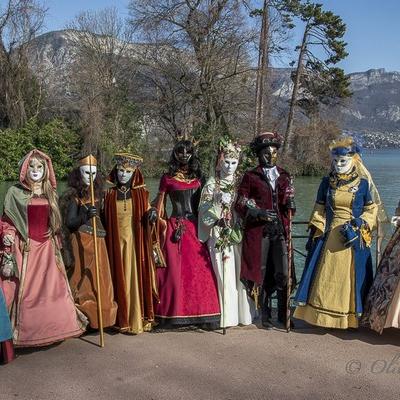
[88, 160]
[188, 316]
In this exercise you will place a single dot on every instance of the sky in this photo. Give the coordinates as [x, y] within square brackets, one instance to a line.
[373, 28]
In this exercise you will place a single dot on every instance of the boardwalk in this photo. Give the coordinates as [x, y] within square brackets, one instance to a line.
[247, 363]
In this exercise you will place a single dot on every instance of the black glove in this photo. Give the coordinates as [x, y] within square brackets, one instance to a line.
[310, 241]
[91, 212]
[260, 214]
[291, 204]
[152, 215]
[221, 223]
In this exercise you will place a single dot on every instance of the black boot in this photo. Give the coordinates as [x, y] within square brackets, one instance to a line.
[282, 309]
[266, 315]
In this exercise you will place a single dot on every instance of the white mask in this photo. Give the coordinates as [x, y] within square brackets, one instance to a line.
[85, 173]
[35, 170]
[228, 166]
[124, 175]
[342, 164]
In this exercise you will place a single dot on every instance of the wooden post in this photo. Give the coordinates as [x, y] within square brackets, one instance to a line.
[96, 258]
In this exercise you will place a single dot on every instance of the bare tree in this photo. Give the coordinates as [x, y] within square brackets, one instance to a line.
[20, 93]
[203, 63]
[101, 77]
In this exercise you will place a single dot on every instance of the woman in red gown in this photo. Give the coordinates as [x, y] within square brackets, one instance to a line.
[187, 286]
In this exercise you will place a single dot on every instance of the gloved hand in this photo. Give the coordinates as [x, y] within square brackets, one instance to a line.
[357, 222]
[152, 215]
[310, 241]
[260, 214]
[7, 266]
[291, 204]
[8, 240]
[222, 223]
[349, 233]
[91, 212]
[395, 221]
[226, 198]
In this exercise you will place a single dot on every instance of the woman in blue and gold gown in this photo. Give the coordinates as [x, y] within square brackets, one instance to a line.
[338, 271]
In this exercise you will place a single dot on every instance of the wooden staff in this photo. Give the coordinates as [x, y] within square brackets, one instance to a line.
[223, 294]
[96, 258]
[290, 259]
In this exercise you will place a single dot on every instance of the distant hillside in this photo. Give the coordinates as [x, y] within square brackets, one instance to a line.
[374, 107]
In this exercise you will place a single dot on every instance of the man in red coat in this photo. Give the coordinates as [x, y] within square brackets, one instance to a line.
[264, 197]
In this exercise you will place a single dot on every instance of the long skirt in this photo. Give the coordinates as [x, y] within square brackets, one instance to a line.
[235, 304]
[83, 280]
[187, 286]
[6, 346]
[382, 308]
[41, 306]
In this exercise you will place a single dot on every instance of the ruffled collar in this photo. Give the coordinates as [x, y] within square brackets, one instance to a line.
[337, 180]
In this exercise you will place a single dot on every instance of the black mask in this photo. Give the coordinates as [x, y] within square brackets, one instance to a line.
[267, 156]
[183, 155]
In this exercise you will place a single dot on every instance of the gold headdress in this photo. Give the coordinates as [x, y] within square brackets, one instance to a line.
[228, 149]
[345, 142]
[87, 160]
[346, 145]
[127, 160]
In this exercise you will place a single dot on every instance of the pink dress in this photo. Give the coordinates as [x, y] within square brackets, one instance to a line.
[187, 286]
[41, 306]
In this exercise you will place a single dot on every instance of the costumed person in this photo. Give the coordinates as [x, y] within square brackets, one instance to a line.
[34, 280]
[187, 285]
[6, 345]
[220, 229]
[265, 197]
[382, 308]
[79, 254]
[338, 270]
[128, 218]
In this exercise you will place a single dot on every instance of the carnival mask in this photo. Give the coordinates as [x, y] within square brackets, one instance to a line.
[228, 166]
[268, 156]
[342, 164]
[183, 155]
[85, 173]
[36, 170]
[124, 175]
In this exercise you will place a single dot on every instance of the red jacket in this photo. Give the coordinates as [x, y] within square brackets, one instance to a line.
[254, 186]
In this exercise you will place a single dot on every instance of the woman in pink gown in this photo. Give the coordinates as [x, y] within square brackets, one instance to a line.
[34, 281]
[187, 286]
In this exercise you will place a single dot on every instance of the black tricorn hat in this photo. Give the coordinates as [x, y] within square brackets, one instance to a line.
[266, 139]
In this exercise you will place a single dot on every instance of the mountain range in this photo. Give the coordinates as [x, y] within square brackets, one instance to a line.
[374, 108]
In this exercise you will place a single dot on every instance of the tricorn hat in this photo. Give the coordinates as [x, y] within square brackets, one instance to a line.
[265, 139]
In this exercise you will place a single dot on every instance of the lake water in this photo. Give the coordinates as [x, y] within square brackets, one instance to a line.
[382, 164]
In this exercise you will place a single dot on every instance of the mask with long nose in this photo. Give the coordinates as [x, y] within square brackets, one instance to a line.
[86, 171]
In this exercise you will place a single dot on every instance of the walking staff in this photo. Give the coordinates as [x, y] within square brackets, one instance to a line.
[96, 257]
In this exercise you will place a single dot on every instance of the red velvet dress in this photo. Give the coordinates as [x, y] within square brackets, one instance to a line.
[187, 286]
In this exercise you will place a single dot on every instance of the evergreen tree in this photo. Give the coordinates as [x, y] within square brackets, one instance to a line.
[316, 79]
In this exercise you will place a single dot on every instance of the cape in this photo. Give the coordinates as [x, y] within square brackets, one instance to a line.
[143, 250]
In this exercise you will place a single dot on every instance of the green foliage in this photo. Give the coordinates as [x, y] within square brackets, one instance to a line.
[121, 132]
[54, 138]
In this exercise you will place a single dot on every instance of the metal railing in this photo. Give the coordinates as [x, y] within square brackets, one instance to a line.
[379, 239]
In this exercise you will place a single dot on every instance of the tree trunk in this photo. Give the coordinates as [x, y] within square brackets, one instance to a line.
[296, 83]
[262, 69]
